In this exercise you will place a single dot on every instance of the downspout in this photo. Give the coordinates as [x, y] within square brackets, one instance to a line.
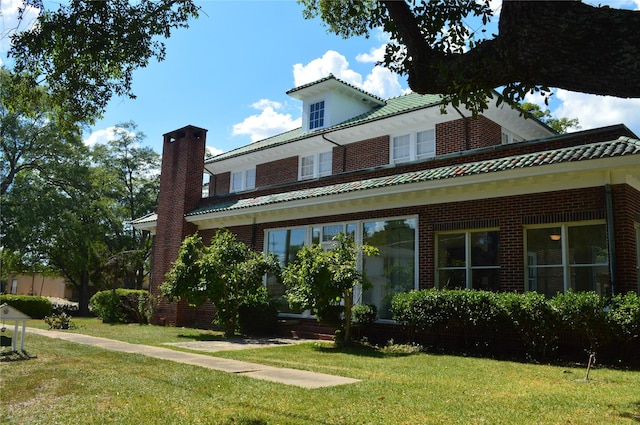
[611, 238]
[344, 151]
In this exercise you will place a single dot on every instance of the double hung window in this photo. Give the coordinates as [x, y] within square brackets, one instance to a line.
[413, 146]
[315, 165]
[243, 180]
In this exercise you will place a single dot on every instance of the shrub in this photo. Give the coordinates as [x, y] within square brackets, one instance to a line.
[31, 305]
[584, 313]
[59, 321]
[624, 317]
[533, 320]
[122, 305]
[364, 314]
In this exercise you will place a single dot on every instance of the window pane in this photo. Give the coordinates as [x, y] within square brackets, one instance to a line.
[451, 250]
[328, 232]
[324, 163]
[591, 278]
[393, 271]
[485, 248]
[485, 279]
[236, 182]
[250, 179]
[401, 148]
[285, 244]
[306, 166]
[545, 245]
[452, 279]
[546, 280]
[426, 143]
[588, 244]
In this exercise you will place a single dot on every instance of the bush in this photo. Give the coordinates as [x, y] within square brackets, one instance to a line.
[624, 318]
[364, 314]
[122, 305]
[534, 322]
[59, 321]
[585, 314]
[31, 305]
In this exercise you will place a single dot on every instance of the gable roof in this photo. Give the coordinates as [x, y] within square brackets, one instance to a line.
[623, 146]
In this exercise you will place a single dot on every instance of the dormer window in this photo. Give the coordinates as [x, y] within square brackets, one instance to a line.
[316, 165]
[413, 146]
[316, 115]
[243, 180]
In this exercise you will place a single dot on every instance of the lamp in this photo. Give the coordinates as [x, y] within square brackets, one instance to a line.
[555, 237]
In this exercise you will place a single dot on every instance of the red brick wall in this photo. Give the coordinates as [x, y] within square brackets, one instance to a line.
[222, 183]
[180, 192]
[465, 134]
[276, 172]
[626, 215]
[364, 154]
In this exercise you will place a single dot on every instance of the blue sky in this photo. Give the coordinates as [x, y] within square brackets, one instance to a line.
[229, 71]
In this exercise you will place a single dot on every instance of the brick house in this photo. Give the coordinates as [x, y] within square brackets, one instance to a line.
[497, 202]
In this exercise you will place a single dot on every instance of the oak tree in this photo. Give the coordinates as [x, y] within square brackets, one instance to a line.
[539, 44]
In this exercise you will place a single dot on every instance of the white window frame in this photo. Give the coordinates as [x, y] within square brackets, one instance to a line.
[316, 170]
[355, 228]
[468, 267]
[565, 265]
[413, 137]
[247, 180]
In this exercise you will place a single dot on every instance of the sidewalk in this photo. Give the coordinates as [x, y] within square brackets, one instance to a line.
[300, 378]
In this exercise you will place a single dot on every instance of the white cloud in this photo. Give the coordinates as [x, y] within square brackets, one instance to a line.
[211, 151]
[104, 136]
[375, 55]
[380, 81]
[597, 111]
[384, 83]
[10, 23]
[268, 123]
[331, 62]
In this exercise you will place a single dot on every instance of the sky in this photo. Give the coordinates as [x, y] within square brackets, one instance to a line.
[230, 70]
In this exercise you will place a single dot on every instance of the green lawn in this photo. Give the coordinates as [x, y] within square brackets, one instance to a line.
[70, 383]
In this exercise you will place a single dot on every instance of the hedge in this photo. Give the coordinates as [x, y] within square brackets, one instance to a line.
[528, 324]
[31, 305]
[122, 305]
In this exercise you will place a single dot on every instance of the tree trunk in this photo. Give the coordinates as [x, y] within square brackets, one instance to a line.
[563, 44]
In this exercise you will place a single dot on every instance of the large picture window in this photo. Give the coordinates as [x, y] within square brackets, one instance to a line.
[567, 256]
[469, 260]
[391, 272]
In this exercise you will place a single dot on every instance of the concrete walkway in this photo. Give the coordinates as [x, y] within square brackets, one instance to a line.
[300, 378]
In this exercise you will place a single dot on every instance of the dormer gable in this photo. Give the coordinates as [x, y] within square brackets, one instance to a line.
[330, 101]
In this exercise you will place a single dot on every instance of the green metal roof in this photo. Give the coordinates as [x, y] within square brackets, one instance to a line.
[394, 106]
[615, 148]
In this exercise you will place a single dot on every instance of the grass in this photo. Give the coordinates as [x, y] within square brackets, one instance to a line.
[71, 383]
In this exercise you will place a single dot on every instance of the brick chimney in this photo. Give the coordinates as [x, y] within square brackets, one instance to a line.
[180, 192]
